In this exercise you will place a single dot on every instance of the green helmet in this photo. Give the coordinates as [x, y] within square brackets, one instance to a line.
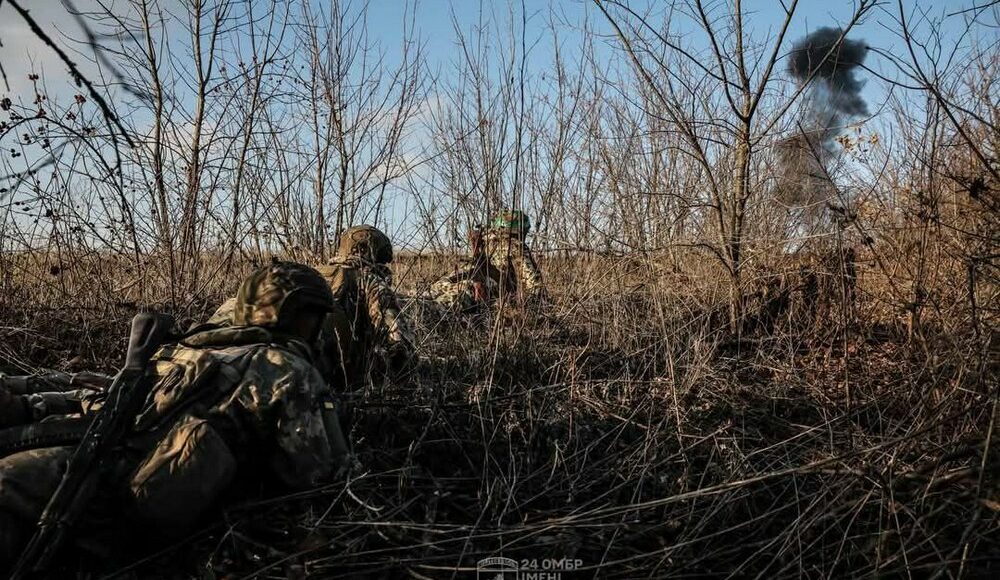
[279, 289]
[368, 242]
[515, 220]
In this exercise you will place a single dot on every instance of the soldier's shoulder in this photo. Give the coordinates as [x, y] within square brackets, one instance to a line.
[339, 274]
[201, 357]
[285, 362]
[332, 268]
[228, 345]
[223, 315]
[327, 269]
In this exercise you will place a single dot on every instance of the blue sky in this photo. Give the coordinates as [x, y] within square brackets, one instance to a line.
[435, 22]
[21, 53]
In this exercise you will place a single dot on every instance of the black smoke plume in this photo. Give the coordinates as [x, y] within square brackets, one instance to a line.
[833, 98]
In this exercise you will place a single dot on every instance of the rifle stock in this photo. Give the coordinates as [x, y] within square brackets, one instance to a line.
[80, 482]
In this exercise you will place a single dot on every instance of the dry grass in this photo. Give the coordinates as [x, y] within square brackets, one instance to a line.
[623, 427]
[692, 400]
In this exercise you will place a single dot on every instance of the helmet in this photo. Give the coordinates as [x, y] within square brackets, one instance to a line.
[367, 242]
[515, 220]
[279, 289]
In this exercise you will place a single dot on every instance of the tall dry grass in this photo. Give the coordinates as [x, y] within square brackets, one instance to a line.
[622, 424]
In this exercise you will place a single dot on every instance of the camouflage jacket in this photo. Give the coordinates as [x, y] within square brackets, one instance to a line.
[368, 316]
[228, 401]
[226, 406]
[457, 290]
[511, 256]
[374, 319]
[51, 393]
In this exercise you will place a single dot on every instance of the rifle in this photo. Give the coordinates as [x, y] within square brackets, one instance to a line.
[97, 448]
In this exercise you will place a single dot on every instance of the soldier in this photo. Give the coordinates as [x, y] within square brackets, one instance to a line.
[361, 282]
[473, 285]
[507, 250]
[367, 320]
[240, 400]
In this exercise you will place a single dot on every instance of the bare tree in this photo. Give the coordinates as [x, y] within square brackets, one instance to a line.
[719, 96]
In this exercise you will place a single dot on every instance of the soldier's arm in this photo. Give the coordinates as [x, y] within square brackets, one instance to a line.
[223, 315]
[28, 399]
[54, 381]
[385, 313]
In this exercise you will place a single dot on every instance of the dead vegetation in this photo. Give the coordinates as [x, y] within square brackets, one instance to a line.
[752, 361]
[629, 429]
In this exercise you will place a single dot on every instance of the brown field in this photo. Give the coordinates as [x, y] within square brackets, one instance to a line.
[621, 424]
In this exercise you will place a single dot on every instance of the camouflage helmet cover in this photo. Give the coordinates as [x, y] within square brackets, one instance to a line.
[514, 220]
[367, 242]
[278, 289]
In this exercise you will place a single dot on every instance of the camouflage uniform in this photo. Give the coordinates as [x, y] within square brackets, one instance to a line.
[458, 291]
[366, 316]
[244, 400]
[472, 284]
[30, 398]
[223, 316]
[509, 257]
[362, 287]
[509, 253]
